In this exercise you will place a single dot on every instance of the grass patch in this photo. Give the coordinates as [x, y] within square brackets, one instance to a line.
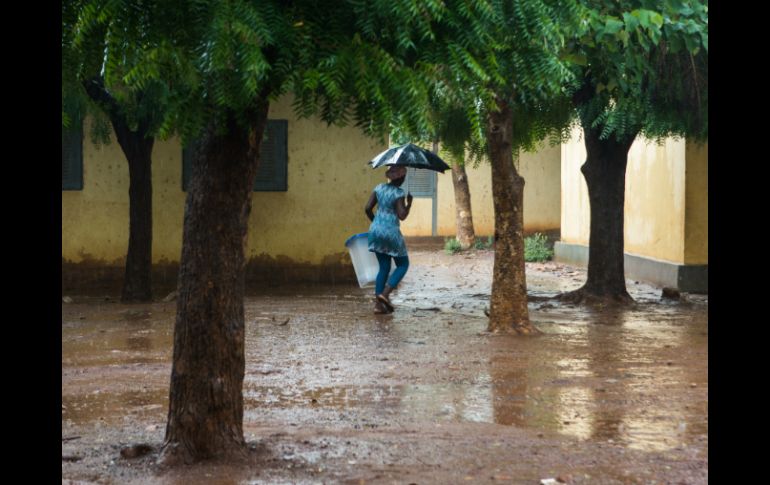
[452, 246]
[537, 249]
[479, 243]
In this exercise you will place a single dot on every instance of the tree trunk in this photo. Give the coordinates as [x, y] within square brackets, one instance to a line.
[137, 147]
[137, 285]
[463, 215]
[605, 175]
[205, 417]
[508, 303]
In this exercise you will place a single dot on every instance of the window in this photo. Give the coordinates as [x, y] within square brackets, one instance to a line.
[72, 157]
[420, 182]
[273, 163]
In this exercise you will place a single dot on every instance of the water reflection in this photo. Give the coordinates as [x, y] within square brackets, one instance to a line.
[510, 401]
[630, 401]
[605, 375]
[600, 378]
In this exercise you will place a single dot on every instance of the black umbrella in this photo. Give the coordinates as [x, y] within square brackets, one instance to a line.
[409, 155]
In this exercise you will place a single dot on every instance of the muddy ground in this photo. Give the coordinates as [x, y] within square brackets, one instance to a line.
[425, 395]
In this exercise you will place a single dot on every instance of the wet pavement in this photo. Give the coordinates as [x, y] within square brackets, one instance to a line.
[425, 395]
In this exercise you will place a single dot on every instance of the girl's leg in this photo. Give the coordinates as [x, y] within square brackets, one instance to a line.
[402, 264]
[382, 275]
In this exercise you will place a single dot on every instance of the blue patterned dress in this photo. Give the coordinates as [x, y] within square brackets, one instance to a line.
[384, 232]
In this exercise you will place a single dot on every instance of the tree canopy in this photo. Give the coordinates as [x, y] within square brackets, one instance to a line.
[641, 67]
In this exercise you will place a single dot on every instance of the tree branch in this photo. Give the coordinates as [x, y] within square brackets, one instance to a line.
[98, 93]
[584, 93]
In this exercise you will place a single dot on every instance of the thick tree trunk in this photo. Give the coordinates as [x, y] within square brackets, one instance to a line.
[508, 303]
[205, 418]
[463, 215]
[605, 175]
[137, 285]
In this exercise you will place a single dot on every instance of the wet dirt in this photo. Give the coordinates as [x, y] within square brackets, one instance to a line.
[424, 395]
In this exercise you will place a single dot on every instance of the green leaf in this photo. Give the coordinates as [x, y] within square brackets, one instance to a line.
[692, 27]
[613, 26]
[656, 19]
[643, 16]
[691, 43]
[631, 22]
[655, 35]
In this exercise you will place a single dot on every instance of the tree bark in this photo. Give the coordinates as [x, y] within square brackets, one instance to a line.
[205, 418]
[137, 147]
[605, 175]
[508, 302]
[137, 283]
[463, 215]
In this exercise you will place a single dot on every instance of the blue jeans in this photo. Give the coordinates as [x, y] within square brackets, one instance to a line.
[402, 264]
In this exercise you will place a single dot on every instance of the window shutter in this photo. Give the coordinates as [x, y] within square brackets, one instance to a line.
[186, 165]
[272, 175]
[273, 163]
[72, 158]
[420, 182]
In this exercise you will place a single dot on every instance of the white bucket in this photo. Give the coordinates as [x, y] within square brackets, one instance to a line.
[364, 261]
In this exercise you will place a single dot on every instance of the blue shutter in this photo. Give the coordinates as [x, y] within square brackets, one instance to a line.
[72, 158]
[273, 158]
[186, 165]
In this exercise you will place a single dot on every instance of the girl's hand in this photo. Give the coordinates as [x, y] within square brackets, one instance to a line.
[409, 199]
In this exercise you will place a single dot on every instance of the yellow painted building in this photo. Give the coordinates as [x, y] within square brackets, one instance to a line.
[666, 211]
[299, 234]
[294, 234]
[541, 172]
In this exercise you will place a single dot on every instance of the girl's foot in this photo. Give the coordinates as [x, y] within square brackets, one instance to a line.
[379, 308]
[385, 301]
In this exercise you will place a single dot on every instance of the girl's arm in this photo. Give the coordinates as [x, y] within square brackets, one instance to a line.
[402, 208]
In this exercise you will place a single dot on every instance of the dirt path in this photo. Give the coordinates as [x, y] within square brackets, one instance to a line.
[339, 395]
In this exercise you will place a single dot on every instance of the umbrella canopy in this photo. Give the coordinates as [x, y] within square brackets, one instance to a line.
[410, 155]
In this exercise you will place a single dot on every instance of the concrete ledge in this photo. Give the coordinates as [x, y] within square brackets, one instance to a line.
[98, 276]
[94, 277]
[686, 278]
[425, 242]
[694, 278]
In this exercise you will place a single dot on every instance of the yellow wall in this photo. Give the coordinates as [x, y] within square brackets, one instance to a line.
[328, 182]
[542, 191]
[575, 210]
[419, 221]
[95, 219]
[541, 198]
[654, 208]
[655, 199]
[696, 220]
